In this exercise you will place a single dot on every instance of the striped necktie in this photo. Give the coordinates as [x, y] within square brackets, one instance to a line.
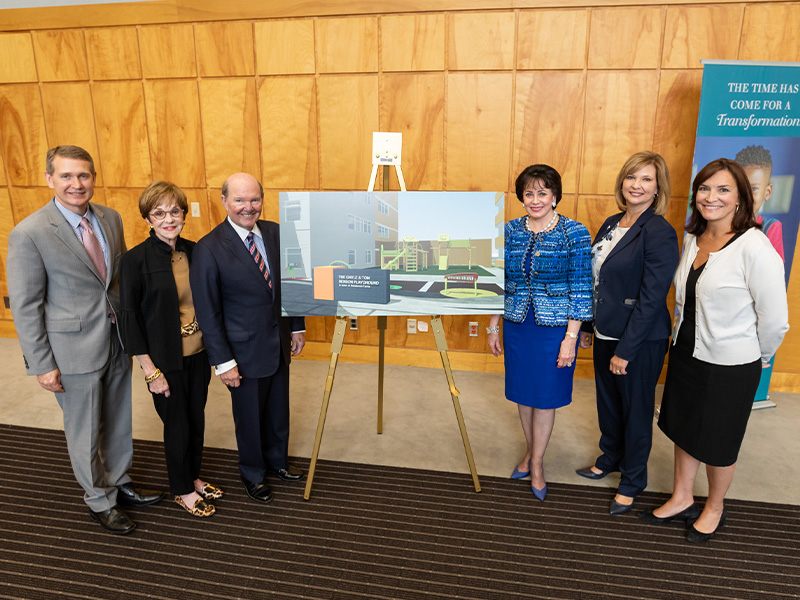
[260, 262]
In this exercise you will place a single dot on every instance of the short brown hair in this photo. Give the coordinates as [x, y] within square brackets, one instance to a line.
[75, 152]
[158, 191]
[743, 218]
[639, 161]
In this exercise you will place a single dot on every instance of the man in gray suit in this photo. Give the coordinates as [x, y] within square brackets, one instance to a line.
[62, 269]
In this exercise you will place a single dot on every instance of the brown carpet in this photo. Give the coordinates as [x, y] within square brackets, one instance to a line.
[370, 532]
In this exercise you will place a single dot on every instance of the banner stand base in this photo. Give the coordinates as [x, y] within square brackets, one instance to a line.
[766, 403]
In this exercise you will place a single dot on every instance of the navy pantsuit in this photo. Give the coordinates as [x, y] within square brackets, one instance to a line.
[625, 407]
[631, 305]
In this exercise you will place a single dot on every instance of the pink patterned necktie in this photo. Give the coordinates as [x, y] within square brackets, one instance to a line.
[262, 264]
[93, 248]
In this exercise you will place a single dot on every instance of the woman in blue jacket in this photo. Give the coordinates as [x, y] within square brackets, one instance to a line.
[548, 292]
[634, 257]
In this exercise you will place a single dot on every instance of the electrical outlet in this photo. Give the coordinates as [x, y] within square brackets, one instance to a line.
[195, 209]
[353, 323]
[411, 326]
[473, 329]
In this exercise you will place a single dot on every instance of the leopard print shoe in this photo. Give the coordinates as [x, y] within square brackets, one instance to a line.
[211, 492]
[200, 508]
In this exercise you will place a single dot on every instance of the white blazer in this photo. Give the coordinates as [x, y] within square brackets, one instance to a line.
[742, 313]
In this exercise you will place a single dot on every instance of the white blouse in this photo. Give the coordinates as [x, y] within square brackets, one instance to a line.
[600, 251]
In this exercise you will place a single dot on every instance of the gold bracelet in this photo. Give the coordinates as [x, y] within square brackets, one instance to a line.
[156, 374]
[574, 336]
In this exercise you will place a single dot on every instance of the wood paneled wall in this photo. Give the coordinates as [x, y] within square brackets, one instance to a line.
[479, 90]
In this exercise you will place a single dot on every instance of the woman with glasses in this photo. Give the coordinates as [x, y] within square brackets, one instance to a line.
[158, 327]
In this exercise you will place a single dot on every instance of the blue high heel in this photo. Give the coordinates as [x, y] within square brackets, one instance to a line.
[540, 494]
[517, 474]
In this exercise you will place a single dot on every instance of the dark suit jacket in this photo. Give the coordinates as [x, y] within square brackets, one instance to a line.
[633, 283]
[239, 315]
[149, 315]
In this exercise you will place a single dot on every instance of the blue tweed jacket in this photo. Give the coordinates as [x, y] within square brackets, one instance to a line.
[559, 283]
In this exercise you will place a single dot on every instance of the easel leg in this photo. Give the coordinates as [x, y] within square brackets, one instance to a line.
[441, 346]
[372, 177]
[381, 357]
[400, 179]
[382, 320]
[336, 349]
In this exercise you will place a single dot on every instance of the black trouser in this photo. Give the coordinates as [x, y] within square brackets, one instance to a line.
[183, 415]
[625, 406]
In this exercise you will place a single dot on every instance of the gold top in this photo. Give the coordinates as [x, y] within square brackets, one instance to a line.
[192, 338]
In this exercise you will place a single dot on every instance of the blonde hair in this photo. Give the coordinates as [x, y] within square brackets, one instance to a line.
[638, 161]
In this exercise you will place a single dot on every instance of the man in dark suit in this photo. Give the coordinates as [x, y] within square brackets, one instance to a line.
[63, 263]
[236, 287]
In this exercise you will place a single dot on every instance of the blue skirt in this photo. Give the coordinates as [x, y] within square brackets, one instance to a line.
[531, 354]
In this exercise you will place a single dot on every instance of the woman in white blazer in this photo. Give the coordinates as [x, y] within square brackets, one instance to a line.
[731, 317]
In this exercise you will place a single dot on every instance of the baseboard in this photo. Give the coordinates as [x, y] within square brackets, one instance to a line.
[460, 360]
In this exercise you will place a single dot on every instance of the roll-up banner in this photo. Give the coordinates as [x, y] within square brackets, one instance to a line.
[750, 112]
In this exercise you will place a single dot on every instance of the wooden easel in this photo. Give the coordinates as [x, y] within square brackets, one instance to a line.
[336, 350]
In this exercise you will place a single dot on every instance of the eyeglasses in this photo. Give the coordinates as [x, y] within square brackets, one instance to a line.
[160, 215]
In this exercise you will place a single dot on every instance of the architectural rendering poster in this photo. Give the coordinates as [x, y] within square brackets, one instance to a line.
[392, 253]
[750, 112]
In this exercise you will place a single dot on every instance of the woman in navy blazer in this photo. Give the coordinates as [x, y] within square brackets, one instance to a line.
[634, 257]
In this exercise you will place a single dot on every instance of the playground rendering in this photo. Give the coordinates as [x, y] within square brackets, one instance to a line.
[355, 253]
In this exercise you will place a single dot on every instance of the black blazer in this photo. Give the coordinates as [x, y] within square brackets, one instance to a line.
[149, 315]
[632, 286]
[239, 315]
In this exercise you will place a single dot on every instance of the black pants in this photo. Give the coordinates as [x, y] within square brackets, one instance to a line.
[183, 415]
[625, 406]
[261, 416]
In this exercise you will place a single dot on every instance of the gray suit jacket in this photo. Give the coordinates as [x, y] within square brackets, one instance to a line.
[59, 303]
